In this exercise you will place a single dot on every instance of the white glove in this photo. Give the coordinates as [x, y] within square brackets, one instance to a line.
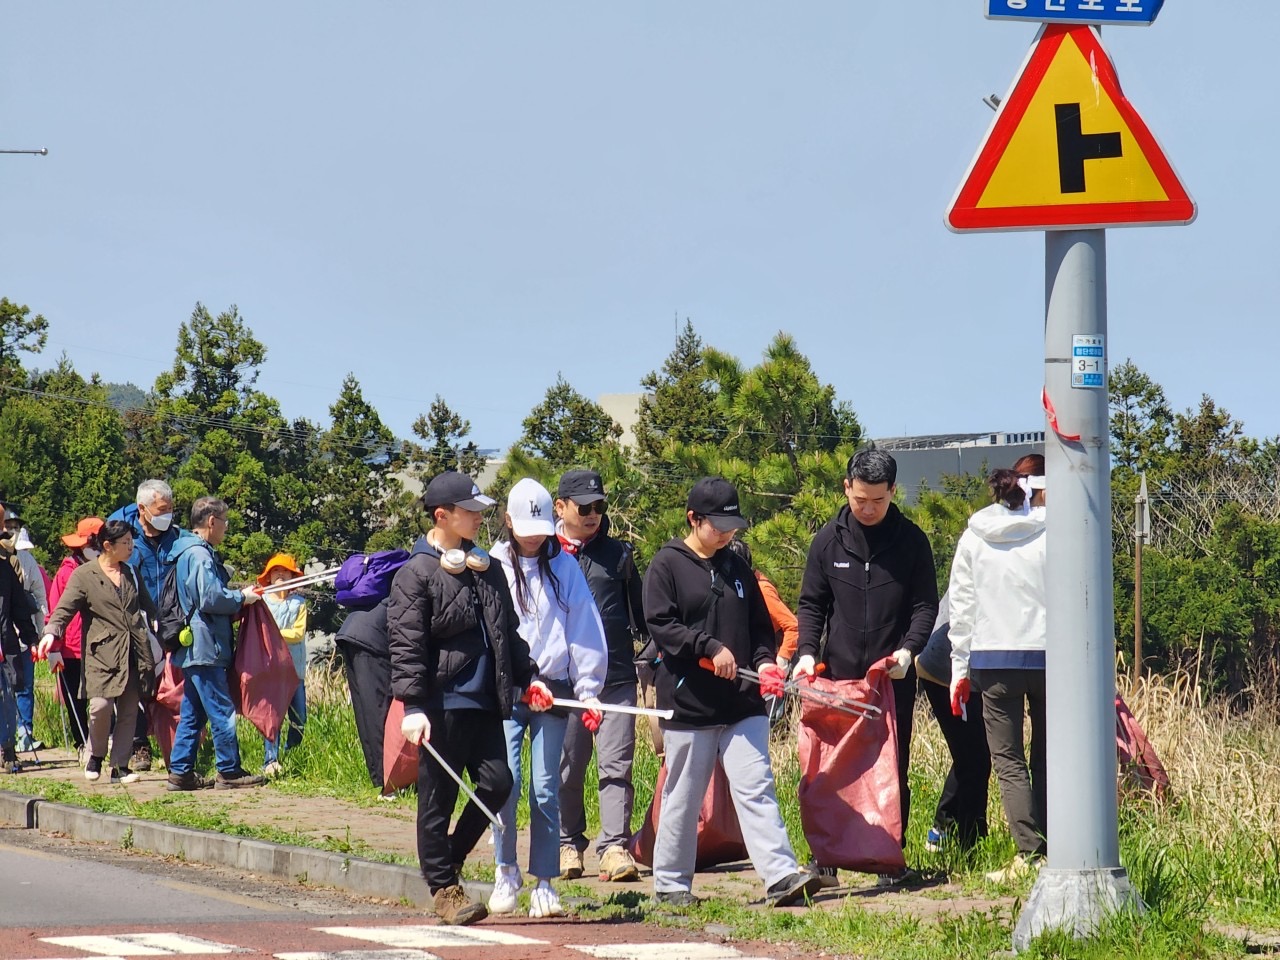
[251, 595]
[416, 728]
[55, 661]
[899, 669]
[45, 645]
[804, 667]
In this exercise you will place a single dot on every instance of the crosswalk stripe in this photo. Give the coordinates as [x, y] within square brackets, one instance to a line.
[143, 945]
[360, 955]
[662, 951]
[424, 936]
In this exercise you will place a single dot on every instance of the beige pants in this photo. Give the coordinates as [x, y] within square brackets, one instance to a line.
[125, 708]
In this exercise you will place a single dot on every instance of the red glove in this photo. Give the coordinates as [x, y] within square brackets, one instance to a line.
[959, 696]
[538, 697]
[772, 680]
[591, 720]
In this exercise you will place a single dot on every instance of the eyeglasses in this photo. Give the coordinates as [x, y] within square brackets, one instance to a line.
[597, 506]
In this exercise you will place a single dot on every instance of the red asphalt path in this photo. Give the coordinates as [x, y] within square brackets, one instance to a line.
[414, 938]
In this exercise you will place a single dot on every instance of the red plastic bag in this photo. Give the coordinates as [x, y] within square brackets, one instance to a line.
[262, 677]
[719, 834]
[849, 798]
[1139, 765]
[162, 715]
[399, 756]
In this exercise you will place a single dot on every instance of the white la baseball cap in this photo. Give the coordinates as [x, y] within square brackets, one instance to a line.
[532, 512]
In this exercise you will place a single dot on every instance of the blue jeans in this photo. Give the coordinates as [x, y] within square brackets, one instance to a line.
[297, 720]
[25, 691]
[205, 698]
[8, 706]
[546, 743]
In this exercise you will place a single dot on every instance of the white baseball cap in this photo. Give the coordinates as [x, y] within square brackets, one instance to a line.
[531, 509]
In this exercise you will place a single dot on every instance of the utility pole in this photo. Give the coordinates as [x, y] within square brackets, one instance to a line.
[1141, 531]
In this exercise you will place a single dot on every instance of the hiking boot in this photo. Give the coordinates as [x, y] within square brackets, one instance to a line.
[237, 780]
[545, 902]
[187, 781]
[571, 865]
[123, 775]
[677, 898]
[506, 890]
[141, 759]
[618, 865]
[9, 756]
[93, 769]
[1019, 868]
[456, 908]
[793, 889]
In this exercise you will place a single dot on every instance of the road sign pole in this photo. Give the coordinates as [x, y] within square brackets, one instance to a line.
[1083, 880]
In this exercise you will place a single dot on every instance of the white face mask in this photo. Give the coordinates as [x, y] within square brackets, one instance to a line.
[89, 553]
[161, 521]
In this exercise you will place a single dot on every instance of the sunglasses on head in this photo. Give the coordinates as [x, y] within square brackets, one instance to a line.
[597, 506]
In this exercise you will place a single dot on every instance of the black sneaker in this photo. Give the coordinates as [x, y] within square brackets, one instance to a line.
[187, 781]
[829, 877]
[793, 889]
[238, 780]
[93, 769]
[677, 898]
[123, 775]
[907, 877]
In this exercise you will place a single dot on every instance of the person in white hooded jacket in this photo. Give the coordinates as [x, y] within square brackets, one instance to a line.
[560, 622]
[998, 643]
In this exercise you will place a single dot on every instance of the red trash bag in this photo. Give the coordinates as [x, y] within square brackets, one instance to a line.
[1139, 765]
[162, 715]
[849, 797]
[399, 756]
[719, 834]
[262, 677]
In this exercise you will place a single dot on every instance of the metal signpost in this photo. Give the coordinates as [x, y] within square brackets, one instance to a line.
[1068, 154]
[1142, 12]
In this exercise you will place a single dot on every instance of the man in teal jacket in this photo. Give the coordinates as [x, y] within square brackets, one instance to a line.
[206, 697]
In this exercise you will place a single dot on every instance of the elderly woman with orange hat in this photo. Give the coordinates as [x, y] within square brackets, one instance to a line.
[69, 644]
[289, 608]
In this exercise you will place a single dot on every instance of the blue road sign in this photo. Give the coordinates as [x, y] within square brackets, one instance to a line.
[1141, 12]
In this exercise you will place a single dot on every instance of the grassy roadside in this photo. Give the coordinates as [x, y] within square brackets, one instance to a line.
[1205, 859]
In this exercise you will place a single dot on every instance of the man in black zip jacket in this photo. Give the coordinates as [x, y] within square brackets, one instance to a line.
[610, 569]
[458, 663]
[869, 584]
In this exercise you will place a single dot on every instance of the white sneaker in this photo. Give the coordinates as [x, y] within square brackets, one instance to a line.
[506, 890]
[544, 901]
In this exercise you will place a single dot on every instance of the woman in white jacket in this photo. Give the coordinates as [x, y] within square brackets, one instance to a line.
[559, 621]
[998, 639]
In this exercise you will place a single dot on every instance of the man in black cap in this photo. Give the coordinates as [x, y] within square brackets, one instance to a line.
[458, 663]
[610, 569]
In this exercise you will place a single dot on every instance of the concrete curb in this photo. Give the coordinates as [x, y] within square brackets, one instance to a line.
[365, 878]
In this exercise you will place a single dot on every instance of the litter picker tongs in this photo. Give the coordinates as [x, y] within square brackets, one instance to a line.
[806, 691]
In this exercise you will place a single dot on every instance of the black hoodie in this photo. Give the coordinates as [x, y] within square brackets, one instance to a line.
[694, 608]
[872, 589]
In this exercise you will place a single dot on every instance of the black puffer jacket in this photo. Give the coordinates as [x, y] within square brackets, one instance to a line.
[870, 602]
[367, 629]
[694, 608]
[610, 568]
[434, 630]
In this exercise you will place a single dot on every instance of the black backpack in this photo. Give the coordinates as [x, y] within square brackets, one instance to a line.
[172, 620]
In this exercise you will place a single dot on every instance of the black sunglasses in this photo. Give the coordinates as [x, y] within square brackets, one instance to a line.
[597, 506]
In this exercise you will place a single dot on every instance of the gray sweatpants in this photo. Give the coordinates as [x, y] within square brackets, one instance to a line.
[743, 748]
[615, 743]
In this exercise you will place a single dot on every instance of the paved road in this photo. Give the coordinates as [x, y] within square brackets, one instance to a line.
[61, 900]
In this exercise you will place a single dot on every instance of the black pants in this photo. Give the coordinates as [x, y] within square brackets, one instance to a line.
[904, 707]
[77, 709]
[1008, 697]
[962, 808]
[470, 740]
[369, 681]
[140, 727]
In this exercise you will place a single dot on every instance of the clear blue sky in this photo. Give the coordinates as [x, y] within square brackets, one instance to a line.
[532, 188]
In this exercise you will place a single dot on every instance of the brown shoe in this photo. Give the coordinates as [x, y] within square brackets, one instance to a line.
[571, 865]
[187, 781]
[618, 865]
[238, 780]
[455, 907]
[141, 759]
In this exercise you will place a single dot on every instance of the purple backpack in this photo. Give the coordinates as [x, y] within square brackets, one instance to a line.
[364, 579]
